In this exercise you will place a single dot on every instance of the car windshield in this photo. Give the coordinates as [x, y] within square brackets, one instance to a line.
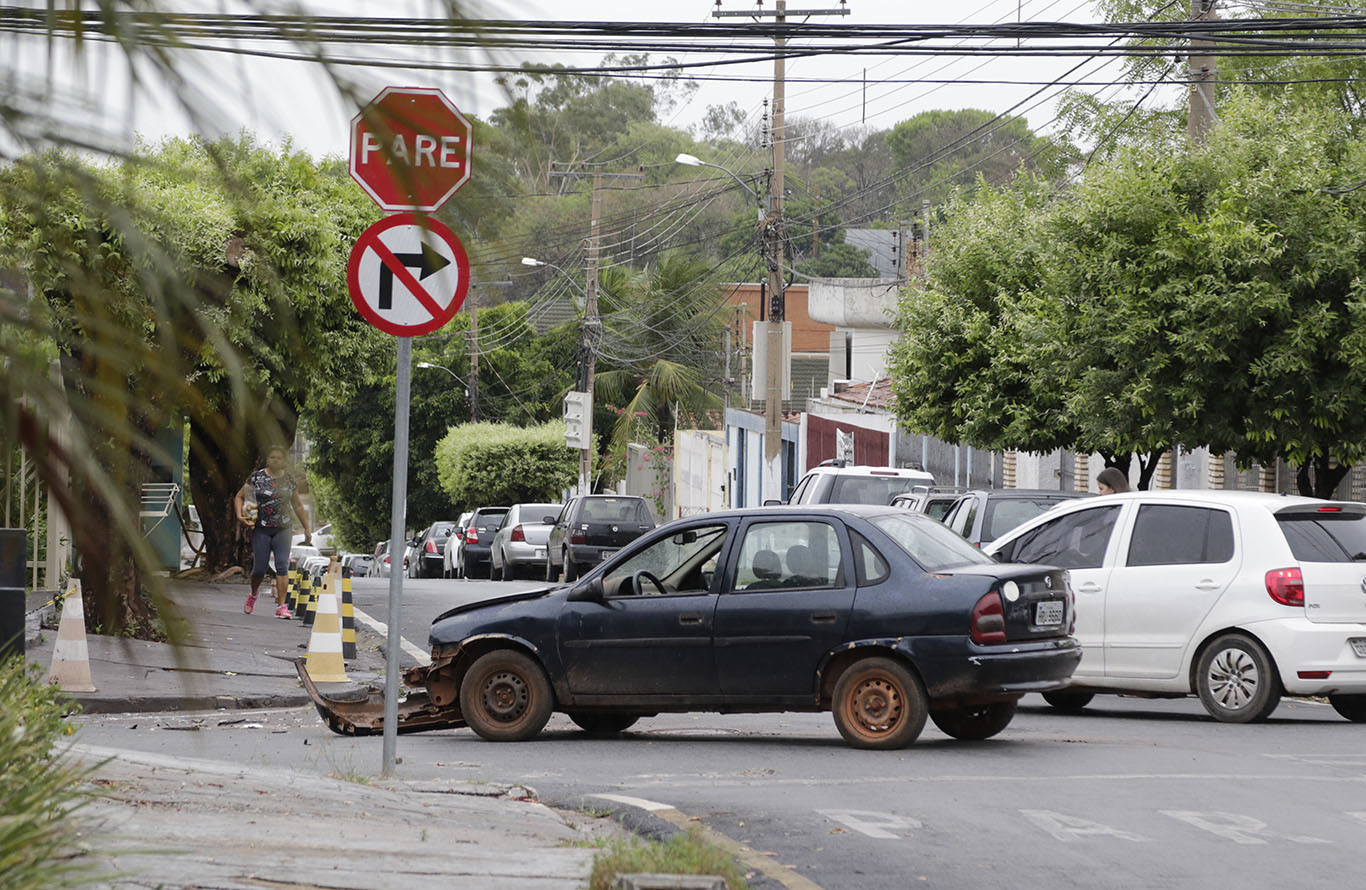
[1003, 514]
[688, 552]
[870, 489]
[534, 513]
[1325, 537]
[611, 510]
[932, 545]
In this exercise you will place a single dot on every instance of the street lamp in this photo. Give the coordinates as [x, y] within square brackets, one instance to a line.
[448, 371]
[532, 261]
[688, 160]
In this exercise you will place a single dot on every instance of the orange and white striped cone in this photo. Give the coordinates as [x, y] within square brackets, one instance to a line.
[70, 655]
[324, 659]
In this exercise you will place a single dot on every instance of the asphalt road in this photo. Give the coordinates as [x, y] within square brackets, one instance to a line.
[1129, 793]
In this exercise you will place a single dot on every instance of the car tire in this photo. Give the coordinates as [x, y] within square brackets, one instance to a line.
[972, 723]
[1068, 702]
[495, 571]
[879, 704]
[603, 724]
[568, 571]
[506, 697]
[1237, 681]
[550, 574]
[1353, 707]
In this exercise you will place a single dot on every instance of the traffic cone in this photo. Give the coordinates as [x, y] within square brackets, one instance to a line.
[348, 617]
[70, 656]
[293, 599]
[324, 659]
[311, 600]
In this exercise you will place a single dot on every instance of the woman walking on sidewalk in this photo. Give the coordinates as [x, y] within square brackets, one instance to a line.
[274, 490]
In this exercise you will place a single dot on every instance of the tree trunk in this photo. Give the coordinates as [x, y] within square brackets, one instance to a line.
[1320, 476]
[1147, 467]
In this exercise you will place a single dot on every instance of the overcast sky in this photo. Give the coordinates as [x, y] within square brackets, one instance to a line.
[279, 99]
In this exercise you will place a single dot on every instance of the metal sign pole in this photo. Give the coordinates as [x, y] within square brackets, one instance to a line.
[396, 546]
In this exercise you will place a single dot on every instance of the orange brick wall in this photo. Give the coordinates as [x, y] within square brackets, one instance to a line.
[807, 335]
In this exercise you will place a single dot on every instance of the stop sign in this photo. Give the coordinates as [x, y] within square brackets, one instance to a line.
[410, 149]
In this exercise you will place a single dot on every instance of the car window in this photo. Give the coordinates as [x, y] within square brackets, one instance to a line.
[852, 489]
[490, 519]
[931, 544]
[1166, 535]
[611, 510]
[684, 562]
[939, 509]
[1075, 541]
[965, 526]
[1003, 514]
[794, 555]
[801, 489]
[1325, 537]
[869, 566]
[537, 512]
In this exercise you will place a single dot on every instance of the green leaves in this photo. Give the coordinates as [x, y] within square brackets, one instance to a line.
[480, 464]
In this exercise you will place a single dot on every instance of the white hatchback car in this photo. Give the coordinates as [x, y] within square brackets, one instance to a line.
[1237, 597]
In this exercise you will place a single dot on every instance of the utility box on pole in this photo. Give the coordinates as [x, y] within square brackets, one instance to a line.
[578, 420]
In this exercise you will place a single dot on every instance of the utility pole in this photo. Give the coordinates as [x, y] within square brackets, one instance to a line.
[592, 325]
[774, 235]
[1200, 117]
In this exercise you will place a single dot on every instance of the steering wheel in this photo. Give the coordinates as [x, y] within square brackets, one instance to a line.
[640, 588]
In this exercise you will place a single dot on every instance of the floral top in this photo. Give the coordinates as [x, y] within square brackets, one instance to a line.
[274, 497]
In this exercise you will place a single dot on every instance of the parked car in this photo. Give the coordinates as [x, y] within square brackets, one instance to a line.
[322, 539]
[298, 553]
[1237, 597]
[428, 550]
[932, 500]
[358, 563]
[836, 484]
[592, 528]
[520, 542]
[478, 543]
[878, 615]
[983, 515]
[451, 566]
[379, 563]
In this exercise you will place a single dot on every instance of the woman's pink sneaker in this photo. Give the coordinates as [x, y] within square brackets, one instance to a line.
[250, 603]
[283, 612]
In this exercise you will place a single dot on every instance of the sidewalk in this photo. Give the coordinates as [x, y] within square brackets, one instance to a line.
[176, 822]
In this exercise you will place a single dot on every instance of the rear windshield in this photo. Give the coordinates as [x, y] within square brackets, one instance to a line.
[1003, 514]
[932, 545]
[486, 518]
[1325, 537]
[870, 489]
[535, 513]
[612, 510]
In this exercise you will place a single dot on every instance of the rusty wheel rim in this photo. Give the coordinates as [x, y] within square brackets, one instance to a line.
[876, 706]
[506, 696]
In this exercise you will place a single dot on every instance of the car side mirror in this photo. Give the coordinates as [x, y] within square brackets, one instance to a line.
[589, 591]
[773, 502]
[548, 520]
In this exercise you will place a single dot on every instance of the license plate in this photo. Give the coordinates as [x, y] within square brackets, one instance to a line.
[1359, 647]
[540, 553]
[608, 554]
[1048, 613]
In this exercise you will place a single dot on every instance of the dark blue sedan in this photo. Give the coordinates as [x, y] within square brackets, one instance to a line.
[881, 616]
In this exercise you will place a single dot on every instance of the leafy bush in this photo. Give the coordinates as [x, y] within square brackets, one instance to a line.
[39, 792]
[481, 464]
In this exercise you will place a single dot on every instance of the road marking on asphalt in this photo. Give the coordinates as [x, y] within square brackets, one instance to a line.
[746, 854]
[1069, 828]
[382, 629]
[1235, 827]
[883, 826]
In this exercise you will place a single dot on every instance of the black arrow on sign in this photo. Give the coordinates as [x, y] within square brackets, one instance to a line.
[428, 262]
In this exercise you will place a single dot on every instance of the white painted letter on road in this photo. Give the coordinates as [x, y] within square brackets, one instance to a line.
[1071, 828]
[884, 826]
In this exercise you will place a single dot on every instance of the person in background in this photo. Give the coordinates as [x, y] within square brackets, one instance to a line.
[274, 490]
[1112, 481]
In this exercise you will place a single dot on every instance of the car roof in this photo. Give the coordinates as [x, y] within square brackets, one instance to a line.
[862, 511]
[865, 470]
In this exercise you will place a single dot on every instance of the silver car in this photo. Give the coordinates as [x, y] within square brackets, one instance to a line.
[521, 539]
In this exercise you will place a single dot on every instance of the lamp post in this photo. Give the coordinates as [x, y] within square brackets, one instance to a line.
[448, 371]
[586, 368]
[772, 247]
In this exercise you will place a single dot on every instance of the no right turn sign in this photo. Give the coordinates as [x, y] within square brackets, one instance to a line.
[408, 274]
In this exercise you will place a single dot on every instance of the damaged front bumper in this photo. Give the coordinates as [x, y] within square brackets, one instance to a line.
[361, 711]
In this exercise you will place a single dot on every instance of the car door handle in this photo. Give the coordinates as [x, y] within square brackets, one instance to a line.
[824, 616]
[1089, 587]
[690, 618]
[1207, 584]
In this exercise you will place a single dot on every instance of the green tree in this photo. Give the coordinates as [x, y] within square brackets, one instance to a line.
[480, 464]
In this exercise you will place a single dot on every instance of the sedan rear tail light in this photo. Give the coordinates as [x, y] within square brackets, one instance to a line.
[580, 538]
[989, 620]
[1286, 586]
[431, 546]
[472, 535]
[517, 534]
